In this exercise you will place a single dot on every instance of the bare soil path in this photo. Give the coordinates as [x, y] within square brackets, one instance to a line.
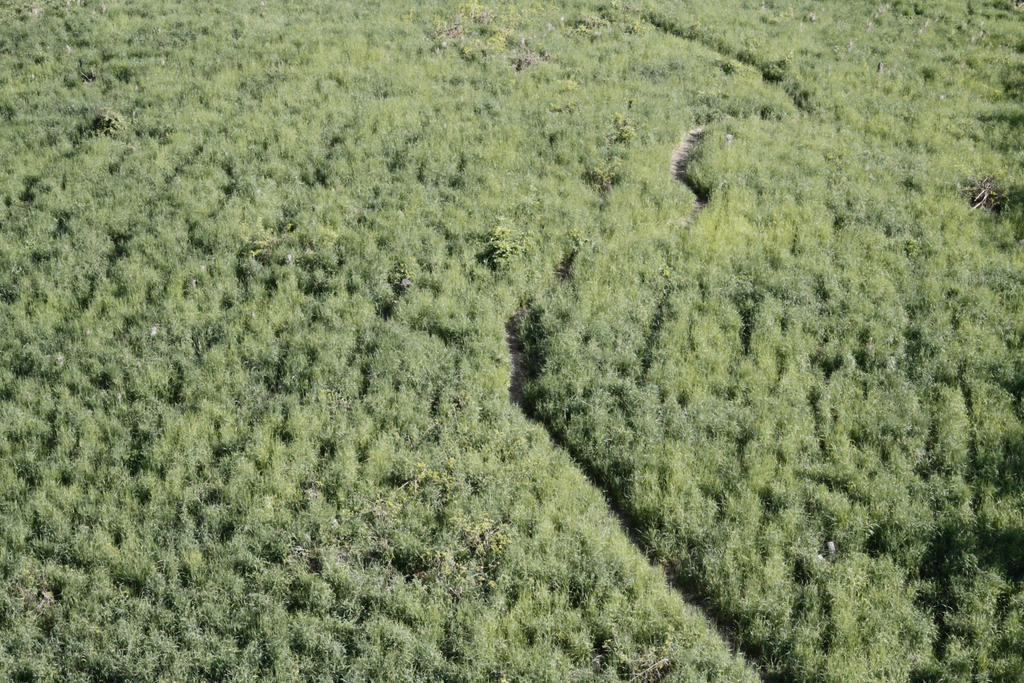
[680, 159]
[517, 379]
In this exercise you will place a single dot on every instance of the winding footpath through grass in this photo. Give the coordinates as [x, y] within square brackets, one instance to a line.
[680, 159]
[518, 376]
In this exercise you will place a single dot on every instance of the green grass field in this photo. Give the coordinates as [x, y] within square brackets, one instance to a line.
[256, 268]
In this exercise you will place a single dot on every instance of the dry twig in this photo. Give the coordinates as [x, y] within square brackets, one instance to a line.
[984, 193]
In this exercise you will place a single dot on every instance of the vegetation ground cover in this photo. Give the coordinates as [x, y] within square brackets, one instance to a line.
[256, 267]
[812, 404]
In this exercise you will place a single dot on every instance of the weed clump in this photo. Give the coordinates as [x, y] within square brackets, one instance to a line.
[261, 247]
[526, 58]
[625, 131]
[109, 122]
[401, 277]
[475, 31]
[503, 245]
[589, 27]
[603, 175]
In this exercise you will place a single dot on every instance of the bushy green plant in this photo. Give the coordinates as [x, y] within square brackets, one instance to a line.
[603, 175]
[109, 122]
[624, 130]
[504, 245]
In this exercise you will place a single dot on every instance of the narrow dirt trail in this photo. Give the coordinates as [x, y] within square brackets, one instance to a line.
[680, 159]
[515, 351]
[772, 74]
[517, 379]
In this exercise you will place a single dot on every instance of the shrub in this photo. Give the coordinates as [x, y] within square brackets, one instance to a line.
[625, 132]
[109, 122]
[603, 175]
[503, 245]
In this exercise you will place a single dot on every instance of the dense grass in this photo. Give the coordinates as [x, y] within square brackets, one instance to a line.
[233, 444]
[809, 399]
[256, 264]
